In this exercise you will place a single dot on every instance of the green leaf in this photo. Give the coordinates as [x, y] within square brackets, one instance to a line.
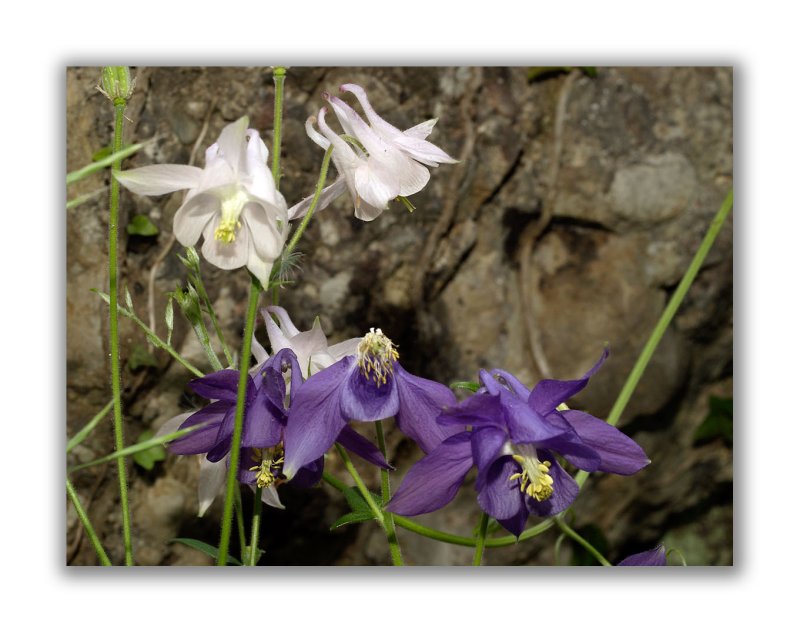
[95, 166]
[101, 154]
[141, 225]
[140, 357]
[357, 503]
[169, 317]
[148, 458]
[210, 550]
[718, 423]
[353, 517]
[128, 299]
[468, 386]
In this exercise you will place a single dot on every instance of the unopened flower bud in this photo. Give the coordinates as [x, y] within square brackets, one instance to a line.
[116, 82]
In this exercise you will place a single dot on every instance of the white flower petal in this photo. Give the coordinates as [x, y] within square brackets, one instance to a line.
[267, 226]
[345, 348]
[210, 482]
[424, 151]
[413, 176]
[269, 495]
[171, 425]
[156, 180]
[257, 175]
[314, 135]
[327, 195]
[193, 217]
[382, 127]
[354, 125]
[232, 144]
[259, 353]
[287, 327]
[376, 185]
[421, 130]
[227, 256]
[277, 339]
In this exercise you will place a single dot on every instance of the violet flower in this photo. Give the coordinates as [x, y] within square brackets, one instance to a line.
[655, 557]
[232, 202]
[367, 386]
[515, 436]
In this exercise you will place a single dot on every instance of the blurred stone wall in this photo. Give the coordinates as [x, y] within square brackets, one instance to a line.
[578, 203]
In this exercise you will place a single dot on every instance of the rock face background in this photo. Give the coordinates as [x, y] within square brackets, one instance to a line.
[578, 203]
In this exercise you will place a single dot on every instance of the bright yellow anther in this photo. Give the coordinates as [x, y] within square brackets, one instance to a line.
[534, 479]
[376, 356]
[229, 223]
[268, 470]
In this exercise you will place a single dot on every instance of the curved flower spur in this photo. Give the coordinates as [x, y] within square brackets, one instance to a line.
[367, 386]
[514, 437]
[232, 202]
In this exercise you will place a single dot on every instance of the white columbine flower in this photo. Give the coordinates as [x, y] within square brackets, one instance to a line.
[232, 202]
[392, 163]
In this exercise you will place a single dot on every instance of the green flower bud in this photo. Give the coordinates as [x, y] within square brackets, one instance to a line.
[116, 82]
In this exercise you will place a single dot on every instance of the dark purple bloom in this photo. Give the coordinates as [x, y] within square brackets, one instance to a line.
[655, 557]
[514, 436]
[368, 386]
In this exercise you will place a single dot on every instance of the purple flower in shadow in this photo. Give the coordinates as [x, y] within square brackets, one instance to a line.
[514, 435]
[656, 557]
[366, 386]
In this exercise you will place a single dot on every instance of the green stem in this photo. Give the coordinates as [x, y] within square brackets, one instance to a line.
[255, 532]
[136, 448]
[114, 160]
[233, 465]
[201, 332]
[323, 176]
[278, 76]
[582, 541]
[113, 292]
[86, 430]
[446, 537]
[481, 542]
[666, 318]
[394, 549]
[386, 494]
[201, 292]
[87, 525]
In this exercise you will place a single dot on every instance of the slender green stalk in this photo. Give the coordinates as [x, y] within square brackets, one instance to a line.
[255, 532]
[323, 176]
[113, 160]
[236, 440]
[394, 547]
[86, 430]
[557, 548]
[153, 337]
[201, 332]
[481, 543]
[581, 541]
[201, 292]
[386, 494]
[278, 76]
[666, 318]
[87, 525]
[84, 198]
[136, 448]
[113, 292]
[446, 537]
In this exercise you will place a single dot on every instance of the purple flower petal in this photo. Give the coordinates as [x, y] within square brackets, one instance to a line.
[263, 426]
[310, 474]
[361, 446]
[221, 385]
[500, 496]
[315, 418]
[479, 410]
[618, 453]
[655, 557]
[421, 401]
[433, 481]
[486, 442]
[363, 400]
[516, 524]
[548, 394]
[513, 383]
[224, 436]
[526, 426]
[571, 446]
[564, 490]
[203, 439]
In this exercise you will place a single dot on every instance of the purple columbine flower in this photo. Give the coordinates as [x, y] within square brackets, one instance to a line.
[656, 557]
[265, 420]
[514, 436]
[367, 386]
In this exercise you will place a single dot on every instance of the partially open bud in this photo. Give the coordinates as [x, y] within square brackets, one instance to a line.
[116, 82]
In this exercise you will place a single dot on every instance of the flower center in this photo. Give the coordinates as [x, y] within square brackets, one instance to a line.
[376, 356]
[229, 224]
[270, 467]
[534, 480]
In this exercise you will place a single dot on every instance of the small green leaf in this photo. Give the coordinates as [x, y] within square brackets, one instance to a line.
[169, 317]
[128, 299]
[357, 503]
[141, 225]
[353, 517]
[148, 458]
[718, 423]
[101, 154]
[210, 550]
[105, 297]
[466, 385]
[140, 357]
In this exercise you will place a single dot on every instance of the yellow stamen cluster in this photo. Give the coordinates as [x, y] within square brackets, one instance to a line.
[376, 356]
[229, 224]
[269, 468]
[534, 479]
